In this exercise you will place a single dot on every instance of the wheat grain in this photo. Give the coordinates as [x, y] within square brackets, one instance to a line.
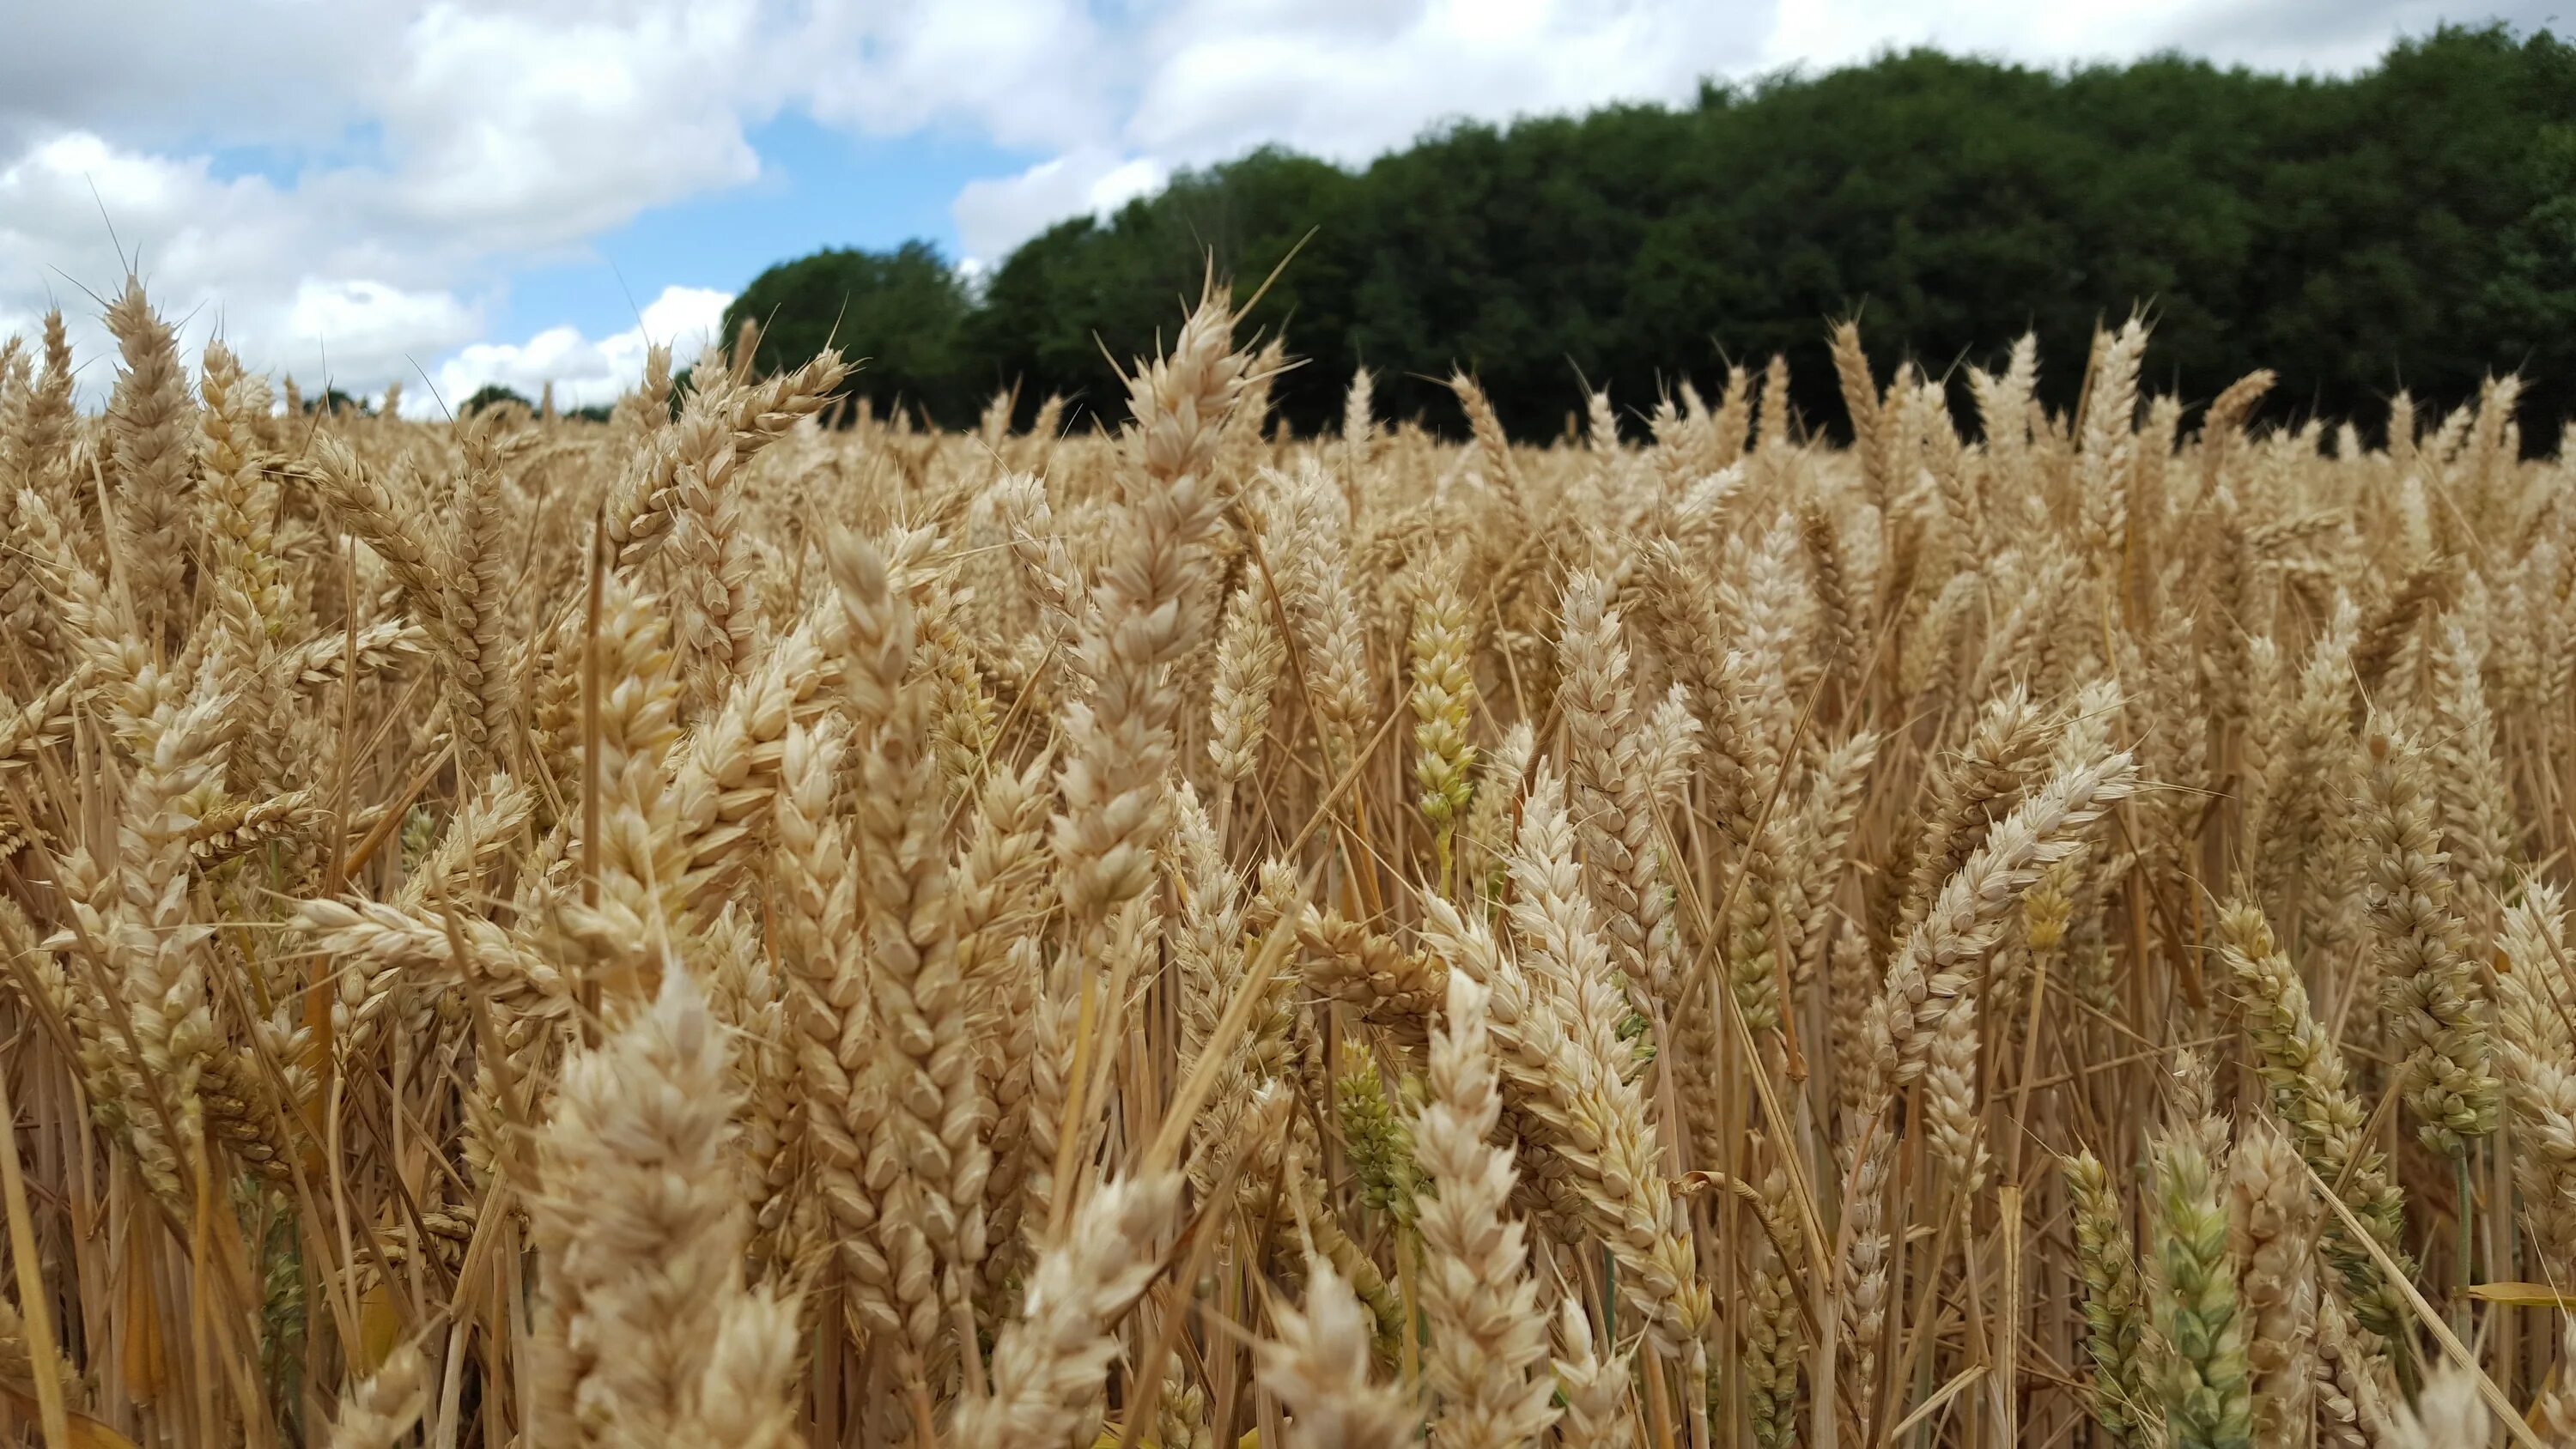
[721, 930]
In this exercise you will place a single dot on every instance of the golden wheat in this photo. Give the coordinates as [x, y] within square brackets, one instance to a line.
[713, 929]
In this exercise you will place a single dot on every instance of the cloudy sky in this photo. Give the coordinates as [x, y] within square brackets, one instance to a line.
[518, 190]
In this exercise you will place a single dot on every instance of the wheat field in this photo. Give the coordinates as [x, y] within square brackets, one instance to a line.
[713, 929]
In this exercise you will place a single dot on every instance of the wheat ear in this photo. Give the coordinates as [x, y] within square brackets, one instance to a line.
[1488, 1338]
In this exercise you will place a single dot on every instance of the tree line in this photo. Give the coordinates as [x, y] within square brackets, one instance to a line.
[2412, 225]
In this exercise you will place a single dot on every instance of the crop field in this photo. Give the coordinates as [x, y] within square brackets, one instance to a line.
[755, 924]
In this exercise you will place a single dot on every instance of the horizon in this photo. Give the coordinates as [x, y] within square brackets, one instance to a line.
[485, 196]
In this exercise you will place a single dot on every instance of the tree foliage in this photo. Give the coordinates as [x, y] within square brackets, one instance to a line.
[493, 394]
[903, 312]
[2413, 225]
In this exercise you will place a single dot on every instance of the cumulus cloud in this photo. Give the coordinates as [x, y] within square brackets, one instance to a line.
[525, 128]
[1017, 72]
[154, 71]
[1351, 79]
[584, 371]
[995, 215]
[230, 255]
[370, 319]
[2321, 36]
[487, 136]
[345, 189]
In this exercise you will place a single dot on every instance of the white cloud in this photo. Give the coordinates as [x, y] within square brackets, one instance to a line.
[155, 71]
[1352, 79]
[582, 370]
[1019, 72]
[2324, 36]
[1820, 34]
[1349, 81]
[994, 216]
[368, 319]
[485, 135]
[294, 287]
[346, 187]
[525, 129]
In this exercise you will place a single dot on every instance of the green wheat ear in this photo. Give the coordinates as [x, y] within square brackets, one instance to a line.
[2204, 1379]
[1380, 1142]
[2115, 1315]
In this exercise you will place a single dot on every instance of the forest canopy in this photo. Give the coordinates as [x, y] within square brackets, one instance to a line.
[2412, 225]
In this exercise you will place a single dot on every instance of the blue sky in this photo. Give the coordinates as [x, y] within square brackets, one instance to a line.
[818, 188]
[524, 191]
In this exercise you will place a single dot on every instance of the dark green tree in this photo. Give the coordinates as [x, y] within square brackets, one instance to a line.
[901, 315]
[493, 394]
[2412, 225]
[1083, 288]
